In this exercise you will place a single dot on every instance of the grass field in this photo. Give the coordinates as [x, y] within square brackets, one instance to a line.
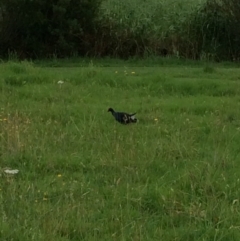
[82, 176]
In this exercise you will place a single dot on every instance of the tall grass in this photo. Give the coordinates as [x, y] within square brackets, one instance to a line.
[157, 15]
[186, 29]
[145, 28]
[82, 176]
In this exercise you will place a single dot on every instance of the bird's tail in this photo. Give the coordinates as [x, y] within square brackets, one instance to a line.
[133, 118]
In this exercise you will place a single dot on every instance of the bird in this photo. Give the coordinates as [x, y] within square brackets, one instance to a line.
[122, 117]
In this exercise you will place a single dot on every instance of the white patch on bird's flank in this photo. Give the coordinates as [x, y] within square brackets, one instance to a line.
[125, 118]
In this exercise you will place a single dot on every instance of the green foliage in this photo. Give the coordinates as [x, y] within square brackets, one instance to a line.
[46, 27]
[204, 29]
[211, 32]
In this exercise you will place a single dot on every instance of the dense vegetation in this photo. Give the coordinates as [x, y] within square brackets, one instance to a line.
[38, 29]
[46, 27]
[82, 176]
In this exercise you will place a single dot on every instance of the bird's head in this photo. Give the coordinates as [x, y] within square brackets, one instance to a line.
[110, 110]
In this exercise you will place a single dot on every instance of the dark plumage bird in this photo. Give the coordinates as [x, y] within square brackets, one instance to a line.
[122, 117]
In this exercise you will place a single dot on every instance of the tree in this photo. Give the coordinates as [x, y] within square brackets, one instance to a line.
[37, 28]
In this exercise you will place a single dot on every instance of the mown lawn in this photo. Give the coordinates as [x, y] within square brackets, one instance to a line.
[82, 176]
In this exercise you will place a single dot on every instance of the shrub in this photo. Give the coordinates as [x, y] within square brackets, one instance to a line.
[212, 31]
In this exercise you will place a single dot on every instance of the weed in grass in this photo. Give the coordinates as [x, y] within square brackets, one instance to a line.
[22, 67]
[208, 69]
[22, 73]
[14, 129]
[14, 81]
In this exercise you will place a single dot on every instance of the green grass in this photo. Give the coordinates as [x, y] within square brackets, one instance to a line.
[163, 15]
[82, 176]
